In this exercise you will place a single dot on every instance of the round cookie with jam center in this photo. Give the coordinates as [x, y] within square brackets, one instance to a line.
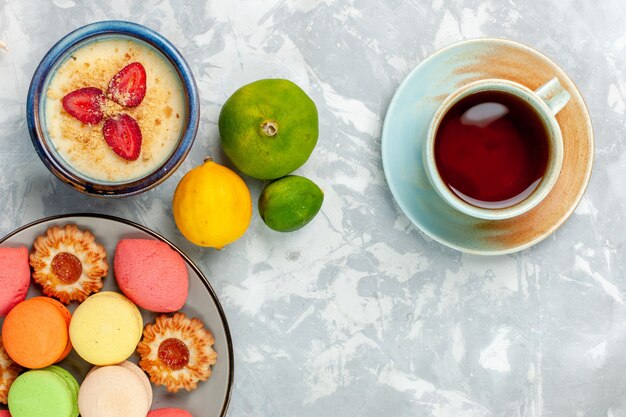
[177, 352]
[68, 263]
[9, 370]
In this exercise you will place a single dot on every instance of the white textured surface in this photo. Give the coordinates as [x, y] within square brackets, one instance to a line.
[358, 314]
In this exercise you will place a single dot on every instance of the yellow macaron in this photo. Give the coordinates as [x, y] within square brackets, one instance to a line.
[106, 328]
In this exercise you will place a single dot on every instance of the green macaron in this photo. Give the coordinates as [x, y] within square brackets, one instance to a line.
[71, 383]
[50, 391]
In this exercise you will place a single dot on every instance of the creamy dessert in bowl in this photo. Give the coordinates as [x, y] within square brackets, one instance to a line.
[113, 109]
[159, 114]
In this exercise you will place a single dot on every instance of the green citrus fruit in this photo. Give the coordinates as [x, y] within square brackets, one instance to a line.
[290, 203]
[269, 128]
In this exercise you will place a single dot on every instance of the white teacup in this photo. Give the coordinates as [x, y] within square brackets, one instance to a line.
[546, 102]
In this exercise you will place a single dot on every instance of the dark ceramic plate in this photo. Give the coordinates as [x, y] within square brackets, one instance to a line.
[212, 397]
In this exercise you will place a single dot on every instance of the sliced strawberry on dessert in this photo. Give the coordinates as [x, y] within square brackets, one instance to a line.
[123, 135]
[128, 87]
[85, 104]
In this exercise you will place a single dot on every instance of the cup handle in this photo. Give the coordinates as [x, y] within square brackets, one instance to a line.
[553, 93]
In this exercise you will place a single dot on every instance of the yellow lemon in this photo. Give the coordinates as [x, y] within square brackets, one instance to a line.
[212, 205]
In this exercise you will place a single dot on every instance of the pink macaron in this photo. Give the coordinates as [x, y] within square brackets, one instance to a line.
[151, 274]
[14, 277]
[135, 370]
[169, 412]
[116, 390]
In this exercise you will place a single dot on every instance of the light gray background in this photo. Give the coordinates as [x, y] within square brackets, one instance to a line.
[359, 314]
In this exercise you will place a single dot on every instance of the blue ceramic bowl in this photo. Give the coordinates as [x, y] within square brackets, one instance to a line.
[35, 107]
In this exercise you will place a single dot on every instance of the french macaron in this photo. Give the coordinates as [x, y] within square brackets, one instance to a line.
[169, 412]
[152, 274]
[14, 277]
[47, 392]
[137, 371]
[35, 332]
[5, 413]
[116, 390]
[106, 328]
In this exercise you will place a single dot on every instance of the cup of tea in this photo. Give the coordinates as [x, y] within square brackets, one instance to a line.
[494, 148]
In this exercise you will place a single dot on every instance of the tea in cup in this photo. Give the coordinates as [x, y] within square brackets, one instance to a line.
[494, 148]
